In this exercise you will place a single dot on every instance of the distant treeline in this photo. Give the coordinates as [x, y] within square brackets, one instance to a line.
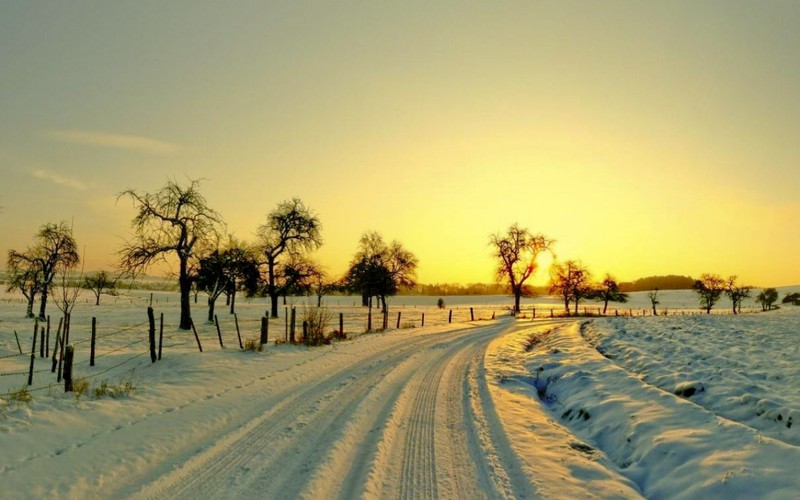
[670, 282]
[469, 289]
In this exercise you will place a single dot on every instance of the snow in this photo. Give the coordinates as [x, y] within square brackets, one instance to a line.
[471, 409]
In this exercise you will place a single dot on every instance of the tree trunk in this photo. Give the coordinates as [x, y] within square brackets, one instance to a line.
[29, 312]
[364, 300]
[605, 306]
[43, 304]
[97, 296]
[576, 306]
[517, 297]
[566, 305]
[232, 298]
[273, 301]
[211, 302]
[186, 290]
[271, 291]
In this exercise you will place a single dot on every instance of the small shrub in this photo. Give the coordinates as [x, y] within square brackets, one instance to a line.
[124, 388]
[440, 303]
[253, 344]
[20, 396]
[80, 386]
[318, 319]
[408, 324]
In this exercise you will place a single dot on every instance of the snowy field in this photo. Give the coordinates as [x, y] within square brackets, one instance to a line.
[655, 407]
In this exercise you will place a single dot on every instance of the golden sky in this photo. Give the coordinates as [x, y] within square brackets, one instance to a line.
[645, 137]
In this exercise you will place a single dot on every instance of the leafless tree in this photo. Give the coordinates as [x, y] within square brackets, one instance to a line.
[570, 281]
[608, 291]
[516, 252]
[291, 230]
[175, 222]
[26, 276]
[737, 293]
[54, 247]
[99, 284]
[381, 270]
[709, 289]
[653, 296]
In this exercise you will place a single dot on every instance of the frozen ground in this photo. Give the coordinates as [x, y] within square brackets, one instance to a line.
[486, 409]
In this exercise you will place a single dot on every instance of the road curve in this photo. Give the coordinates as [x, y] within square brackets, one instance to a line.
[414, 419]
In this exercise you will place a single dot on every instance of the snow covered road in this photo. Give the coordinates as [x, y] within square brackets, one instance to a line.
[408, 418]
[490, 409]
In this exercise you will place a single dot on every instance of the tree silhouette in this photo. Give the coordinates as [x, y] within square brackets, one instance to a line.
[54, 247]
[653, 296]
[571, 282]
[26, 276]
[380, 270]
[176, 222]
[608, 291]
[516, 252]
[99, 284]
[767, 298]
[709, 289]
[291, 230]
[737, 293]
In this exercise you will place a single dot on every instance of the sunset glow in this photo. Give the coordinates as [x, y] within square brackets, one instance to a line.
[645, 138]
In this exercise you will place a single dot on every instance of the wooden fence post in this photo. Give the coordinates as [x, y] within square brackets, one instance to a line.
[94, 340]
[369, 320]
[151, 319]
[238, 333]
[450, 317]
[385, 320]
[341, 324]
[492, 314]
[33, 352]
[551, 312]
[219, 333]
[534, 313]
[264, 332]
[41, 342]
[423, 320]
[285, 323]
[398, 320]
[47, 339]
[471, 314]
[19, 346]
[55, 350]
[68, 357]
[305, 331]
[196, 337]
[292, 325]
[160, 333]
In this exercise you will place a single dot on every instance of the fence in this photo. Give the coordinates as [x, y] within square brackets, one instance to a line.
[99, 351]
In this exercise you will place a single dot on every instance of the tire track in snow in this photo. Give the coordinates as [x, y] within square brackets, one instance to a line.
[430, 446]
[238, 461]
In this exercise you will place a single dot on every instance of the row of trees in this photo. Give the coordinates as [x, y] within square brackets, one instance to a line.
[176, 221]
[517, 250]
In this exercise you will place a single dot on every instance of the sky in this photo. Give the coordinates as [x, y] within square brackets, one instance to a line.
[644, 137]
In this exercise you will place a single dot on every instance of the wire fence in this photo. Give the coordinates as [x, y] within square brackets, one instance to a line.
[123, 345]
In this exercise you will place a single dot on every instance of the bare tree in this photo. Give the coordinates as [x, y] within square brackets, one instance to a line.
[737, 293]
[709, 289]
[54, 246]
[381, 270]
[516, 252]
[291, 229]
[26, 276]
[766, 298]
[608, 291]
[175, 222]
[653, 296]
[571, 282]
[99, 284]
